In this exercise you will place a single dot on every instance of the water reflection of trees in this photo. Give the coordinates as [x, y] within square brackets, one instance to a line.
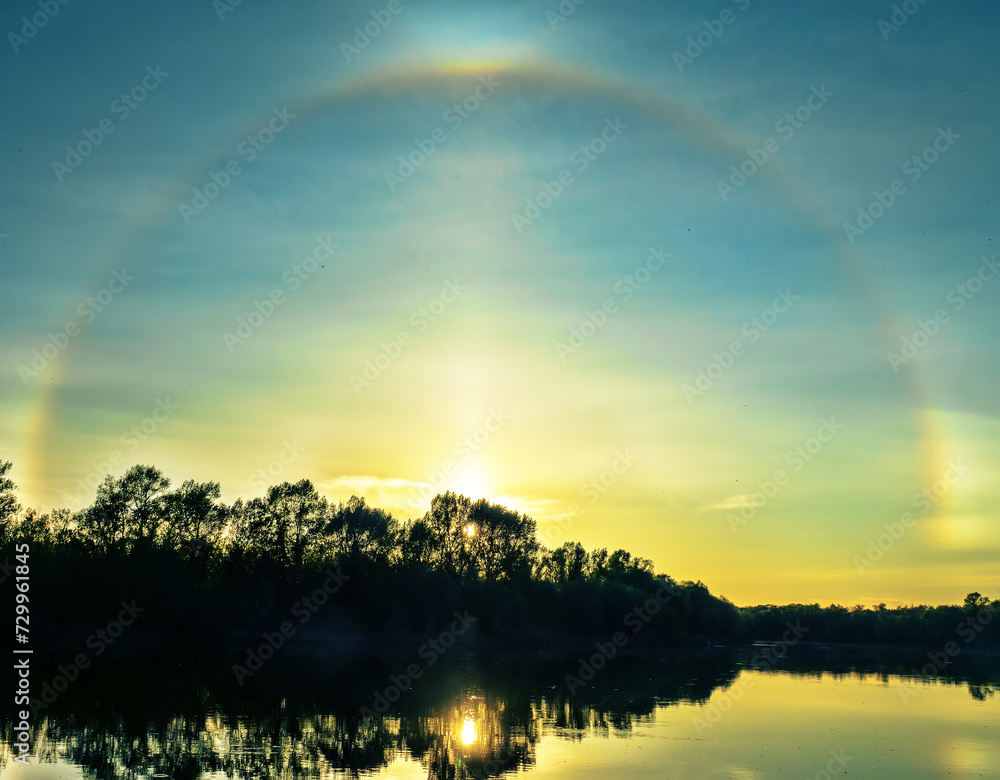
[476, 717]
[469, 718]
[292, 746]
[978, 672]
[982, 692]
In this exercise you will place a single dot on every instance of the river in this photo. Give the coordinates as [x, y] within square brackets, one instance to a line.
[811, 713]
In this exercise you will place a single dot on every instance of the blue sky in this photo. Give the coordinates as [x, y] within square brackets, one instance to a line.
[458, 313]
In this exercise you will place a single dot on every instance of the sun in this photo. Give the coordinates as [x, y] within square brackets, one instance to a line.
[471, 481]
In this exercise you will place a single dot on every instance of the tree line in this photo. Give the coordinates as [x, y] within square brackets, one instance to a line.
[293, 526]
[205, 571]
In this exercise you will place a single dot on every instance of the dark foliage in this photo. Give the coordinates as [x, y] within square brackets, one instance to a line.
[207, 573]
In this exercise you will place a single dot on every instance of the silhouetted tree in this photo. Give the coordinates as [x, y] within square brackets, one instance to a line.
[448, 521]
[296, 515]
[248, 539]
[359, 532]
[127, 511]
[976, 601]
[9, 505]
[416, 540]
[564, 564]
[194, 521]
[597, 564]
[501, 542]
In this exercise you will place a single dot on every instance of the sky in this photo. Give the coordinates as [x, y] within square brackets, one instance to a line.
[714, 283]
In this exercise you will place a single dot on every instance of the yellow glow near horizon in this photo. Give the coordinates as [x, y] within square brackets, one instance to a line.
[468, 732]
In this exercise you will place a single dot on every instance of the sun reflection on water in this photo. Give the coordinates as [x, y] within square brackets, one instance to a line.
[468, 732]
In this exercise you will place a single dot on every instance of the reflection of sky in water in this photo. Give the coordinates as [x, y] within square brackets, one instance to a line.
[762, 725]
[781, 725]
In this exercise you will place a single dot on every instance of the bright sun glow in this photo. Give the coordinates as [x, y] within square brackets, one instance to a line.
[468, 732]
[470, 481]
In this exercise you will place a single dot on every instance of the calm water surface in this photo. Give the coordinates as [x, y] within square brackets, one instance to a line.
[647, 715]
